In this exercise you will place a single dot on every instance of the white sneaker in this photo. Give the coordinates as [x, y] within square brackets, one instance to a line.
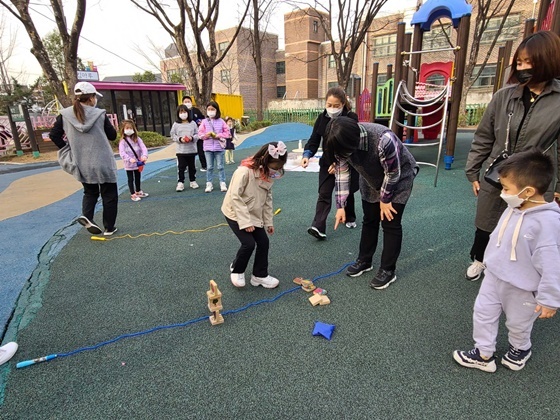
[238, 279]
[223, 187]
[180, 187]
[475, 270]
[209, 187]
[193, 185]
[267, 282]
[351, 225]
[7, 351]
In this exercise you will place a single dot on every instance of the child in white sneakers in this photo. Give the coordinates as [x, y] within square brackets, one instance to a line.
[134, 154]
[184, 134]
[247, 207]
[522, 275]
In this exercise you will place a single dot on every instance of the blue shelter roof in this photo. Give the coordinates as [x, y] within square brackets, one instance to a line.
[435, 9]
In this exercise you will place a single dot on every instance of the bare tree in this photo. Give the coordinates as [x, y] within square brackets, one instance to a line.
[8, 43]
[351, 22]
[486, 10]
[202, 23]
[158, 51]
[260, 17]
[20, 9]
[231, 79]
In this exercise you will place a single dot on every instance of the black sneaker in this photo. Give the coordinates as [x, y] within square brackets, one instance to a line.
[473, 359]
[89, 225]
[383, 279]
[358, 268]
[313, 231]
[109, 232]
[515, 359]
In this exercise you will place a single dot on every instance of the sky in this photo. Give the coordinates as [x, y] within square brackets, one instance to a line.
[113, 32]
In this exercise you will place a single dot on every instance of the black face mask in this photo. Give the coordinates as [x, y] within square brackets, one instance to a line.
[523, 76]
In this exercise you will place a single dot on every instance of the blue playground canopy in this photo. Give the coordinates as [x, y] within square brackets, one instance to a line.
[435, 9]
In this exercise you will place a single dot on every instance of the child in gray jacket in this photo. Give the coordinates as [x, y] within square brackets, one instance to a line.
[522, 274]
[184, 134]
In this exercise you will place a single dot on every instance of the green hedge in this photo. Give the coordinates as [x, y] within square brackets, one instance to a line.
[150, 139]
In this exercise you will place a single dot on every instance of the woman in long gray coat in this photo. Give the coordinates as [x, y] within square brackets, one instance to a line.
[387, 171]
[524, 116]
[88, 155]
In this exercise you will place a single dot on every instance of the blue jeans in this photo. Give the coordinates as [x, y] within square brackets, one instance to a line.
[218, 158]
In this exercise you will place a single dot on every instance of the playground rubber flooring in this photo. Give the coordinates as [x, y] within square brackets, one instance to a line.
[128, 318]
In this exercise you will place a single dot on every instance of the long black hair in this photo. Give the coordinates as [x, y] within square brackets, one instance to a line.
[341, 138]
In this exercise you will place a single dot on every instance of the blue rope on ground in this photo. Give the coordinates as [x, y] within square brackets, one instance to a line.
[165, 327]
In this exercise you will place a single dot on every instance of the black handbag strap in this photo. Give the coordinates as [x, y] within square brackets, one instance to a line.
[131, 148]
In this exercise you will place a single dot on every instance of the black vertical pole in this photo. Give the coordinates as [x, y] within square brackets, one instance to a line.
[15, 133]
[30, 131]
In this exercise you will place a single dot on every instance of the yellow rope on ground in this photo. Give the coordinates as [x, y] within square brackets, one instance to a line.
[147, 235]
[169, 232]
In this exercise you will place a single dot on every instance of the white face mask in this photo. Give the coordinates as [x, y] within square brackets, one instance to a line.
[211, 114]
[334, 112]
[188, 105]
[183, 116]
[129, 132]
[513, 200]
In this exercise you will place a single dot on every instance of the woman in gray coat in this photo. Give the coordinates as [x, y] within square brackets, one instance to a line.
[87, 155]
[522, 116]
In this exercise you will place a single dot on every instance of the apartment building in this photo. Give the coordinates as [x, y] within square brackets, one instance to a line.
[305, 68]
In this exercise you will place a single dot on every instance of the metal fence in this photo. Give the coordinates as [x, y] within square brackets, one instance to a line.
[278, 116]
[473, 114]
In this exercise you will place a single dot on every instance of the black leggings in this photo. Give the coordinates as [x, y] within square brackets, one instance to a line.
[481, 239]
[249, 240]
[324, 201]
[109, 196]
[133, 181]
[392, 235]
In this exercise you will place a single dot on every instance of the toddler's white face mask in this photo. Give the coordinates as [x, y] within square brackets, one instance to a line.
[129, 132]
[513, 200]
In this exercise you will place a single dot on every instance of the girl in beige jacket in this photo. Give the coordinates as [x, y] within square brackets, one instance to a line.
[247, 207]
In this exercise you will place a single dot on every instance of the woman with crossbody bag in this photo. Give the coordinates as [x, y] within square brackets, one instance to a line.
[213, 131]
[134, 154]
[520, 117]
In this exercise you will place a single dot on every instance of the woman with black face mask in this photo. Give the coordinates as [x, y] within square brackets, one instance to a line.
[521, 116]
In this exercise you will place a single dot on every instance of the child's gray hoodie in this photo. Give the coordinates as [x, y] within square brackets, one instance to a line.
[524, 250]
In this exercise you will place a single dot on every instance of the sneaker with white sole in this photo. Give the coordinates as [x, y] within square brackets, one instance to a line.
[358, 268]
[109, 232]
[209, 187]
[267, 282]
[475, 270]
[7, 351]
[193, 185]
[313, 231]
[89, 225]
[473, 359]
[142, 194]
[515, 359]
[135, 197]
[180, 187]
[238, 279]
[383, 279]
[351, 225]
[223, 187]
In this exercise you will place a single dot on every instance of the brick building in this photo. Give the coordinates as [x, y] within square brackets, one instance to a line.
[305, 69]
